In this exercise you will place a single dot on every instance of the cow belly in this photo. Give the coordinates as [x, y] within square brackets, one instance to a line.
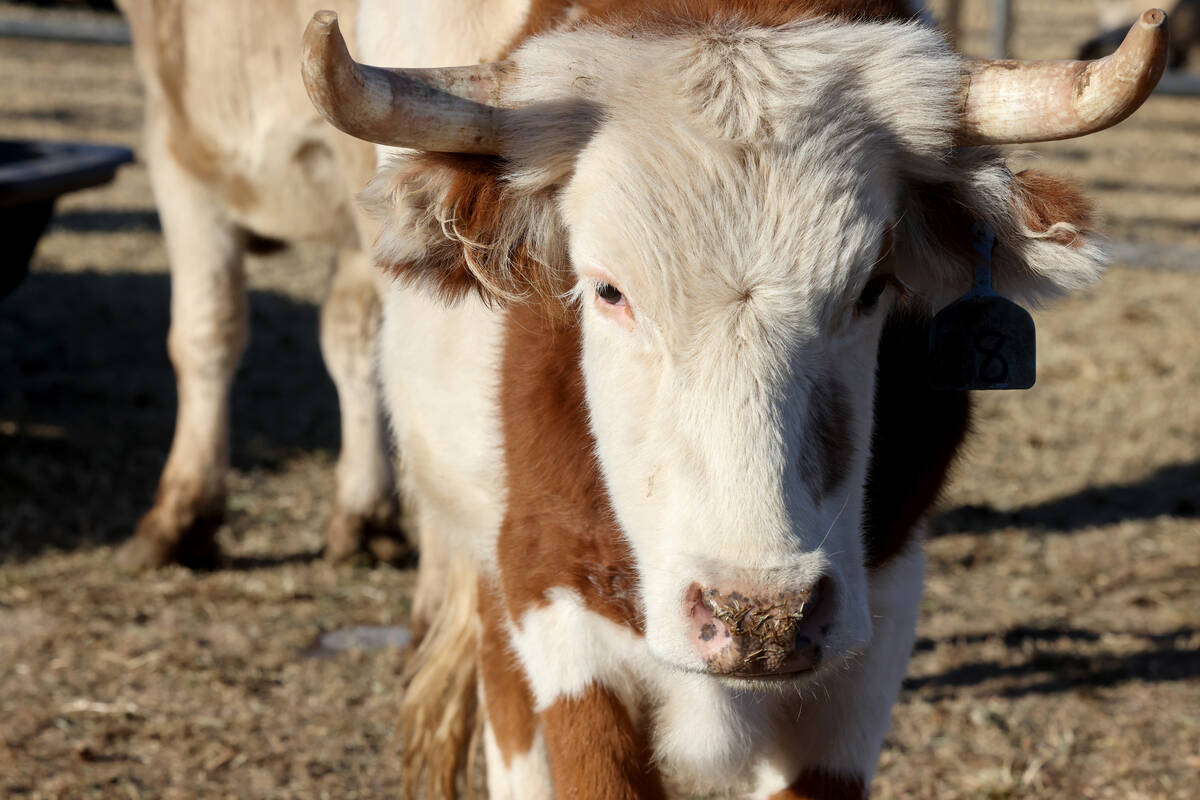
[296, 186]
[222, 80]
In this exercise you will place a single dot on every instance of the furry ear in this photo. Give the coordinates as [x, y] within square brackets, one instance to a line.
[1046, 243]
[455, 225]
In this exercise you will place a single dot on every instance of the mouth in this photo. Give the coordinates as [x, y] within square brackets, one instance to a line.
[749, 680]
[766, 683]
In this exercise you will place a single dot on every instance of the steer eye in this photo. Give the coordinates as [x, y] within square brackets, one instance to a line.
[611, 302]
[871, 294]
[609, 294]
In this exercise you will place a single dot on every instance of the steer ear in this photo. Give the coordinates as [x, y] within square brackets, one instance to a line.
[454, 225]
[1046, 243]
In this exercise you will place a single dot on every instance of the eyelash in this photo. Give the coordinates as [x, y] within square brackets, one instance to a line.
[873, 292]
[603, 288]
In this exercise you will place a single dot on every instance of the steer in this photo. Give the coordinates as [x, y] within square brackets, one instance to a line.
[237, 155]
[676, 262]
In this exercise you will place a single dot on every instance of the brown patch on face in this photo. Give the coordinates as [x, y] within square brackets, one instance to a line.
[596, 751]
[918, 431]
[506, 693]
[815, 784]
[825, 457]
[1044, 201]
[559, 528]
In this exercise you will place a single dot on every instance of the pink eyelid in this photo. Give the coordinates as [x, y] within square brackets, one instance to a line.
[619, 312]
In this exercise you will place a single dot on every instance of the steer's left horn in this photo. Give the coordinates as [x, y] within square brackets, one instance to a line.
[1009, 102]
[451, 110]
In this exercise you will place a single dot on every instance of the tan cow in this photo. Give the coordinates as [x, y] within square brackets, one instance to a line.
[236, 151]
[656, 357]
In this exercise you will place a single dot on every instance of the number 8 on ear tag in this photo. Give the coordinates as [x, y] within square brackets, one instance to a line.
[982, 340]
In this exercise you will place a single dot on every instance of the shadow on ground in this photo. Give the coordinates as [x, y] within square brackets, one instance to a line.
[108, 220]
[1162, 657]
[87, 402]
[1171, 491]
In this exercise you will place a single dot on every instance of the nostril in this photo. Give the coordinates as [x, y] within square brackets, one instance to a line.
[819, 610]
[710, 633]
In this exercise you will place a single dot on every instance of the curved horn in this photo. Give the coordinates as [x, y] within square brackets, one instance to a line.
[451, 110]
[1008, 102]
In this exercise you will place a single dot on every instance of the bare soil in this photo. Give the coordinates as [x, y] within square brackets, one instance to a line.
[1059, 649]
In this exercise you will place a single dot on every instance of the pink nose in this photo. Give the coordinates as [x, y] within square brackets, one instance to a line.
[741, 633]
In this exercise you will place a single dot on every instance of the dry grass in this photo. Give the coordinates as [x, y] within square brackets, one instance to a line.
[1059, 651]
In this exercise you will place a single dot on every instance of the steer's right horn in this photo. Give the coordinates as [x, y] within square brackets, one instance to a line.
[451, 110]
[1010, 102]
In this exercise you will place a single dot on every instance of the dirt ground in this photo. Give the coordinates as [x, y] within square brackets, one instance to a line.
[1059, 642]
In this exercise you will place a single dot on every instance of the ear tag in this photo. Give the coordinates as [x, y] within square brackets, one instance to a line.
[982, 340]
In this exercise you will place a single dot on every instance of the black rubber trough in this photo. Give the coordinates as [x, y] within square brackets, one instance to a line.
[33, 174]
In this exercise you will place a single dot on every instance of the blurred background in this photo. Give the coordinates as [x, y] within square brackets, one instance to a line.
[1059, 645]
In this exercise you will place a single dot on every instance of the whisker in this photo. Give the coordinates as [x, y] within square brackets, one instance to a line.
[836, 517]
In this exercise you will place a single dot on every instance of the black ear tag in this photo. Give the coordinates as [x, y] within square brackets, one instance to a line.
[982, 340]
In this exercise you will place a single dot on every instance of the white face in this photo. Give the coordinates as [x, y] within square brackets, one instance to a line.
[732, 305]
[726, 223]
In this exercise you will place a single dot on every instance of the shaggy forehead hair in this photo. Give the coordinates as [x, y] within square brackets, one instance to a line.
[752, 84]
[791, 140]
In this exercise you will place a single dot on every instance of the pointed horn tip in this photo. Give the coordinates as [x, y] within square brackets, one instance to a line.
[322, 31]
[322, 41]
[324, 19]
[1154, 18]
[323, 55]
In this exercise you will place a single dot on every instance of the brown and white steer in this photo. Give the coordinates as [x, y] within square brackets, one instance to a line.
[655, 358]
[236, 151]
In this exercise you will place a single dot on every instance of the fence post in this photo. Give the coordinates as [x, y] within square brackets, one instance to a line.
[1001, 32]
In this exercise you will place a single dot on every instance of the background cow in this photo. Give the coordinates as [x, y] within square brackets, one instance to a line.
[697, 222]
[237, 155]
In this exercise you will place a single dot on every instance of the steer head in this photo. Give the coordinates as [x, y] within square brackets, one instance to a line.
[729, 213]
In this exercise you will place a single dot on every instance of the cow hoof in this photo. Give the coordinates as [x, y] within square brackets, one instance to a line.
[350, 537]
[140, 553]
[391, 548]
[154, 545]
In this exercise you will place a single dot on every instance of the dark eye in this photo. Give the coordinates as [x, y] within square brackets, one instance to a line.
[609, 293]
[871, 293]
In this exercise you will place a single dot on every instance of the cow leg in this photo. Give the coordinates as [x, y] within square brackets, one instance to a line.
[365, 512]
[829, 751]
[207, 336]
